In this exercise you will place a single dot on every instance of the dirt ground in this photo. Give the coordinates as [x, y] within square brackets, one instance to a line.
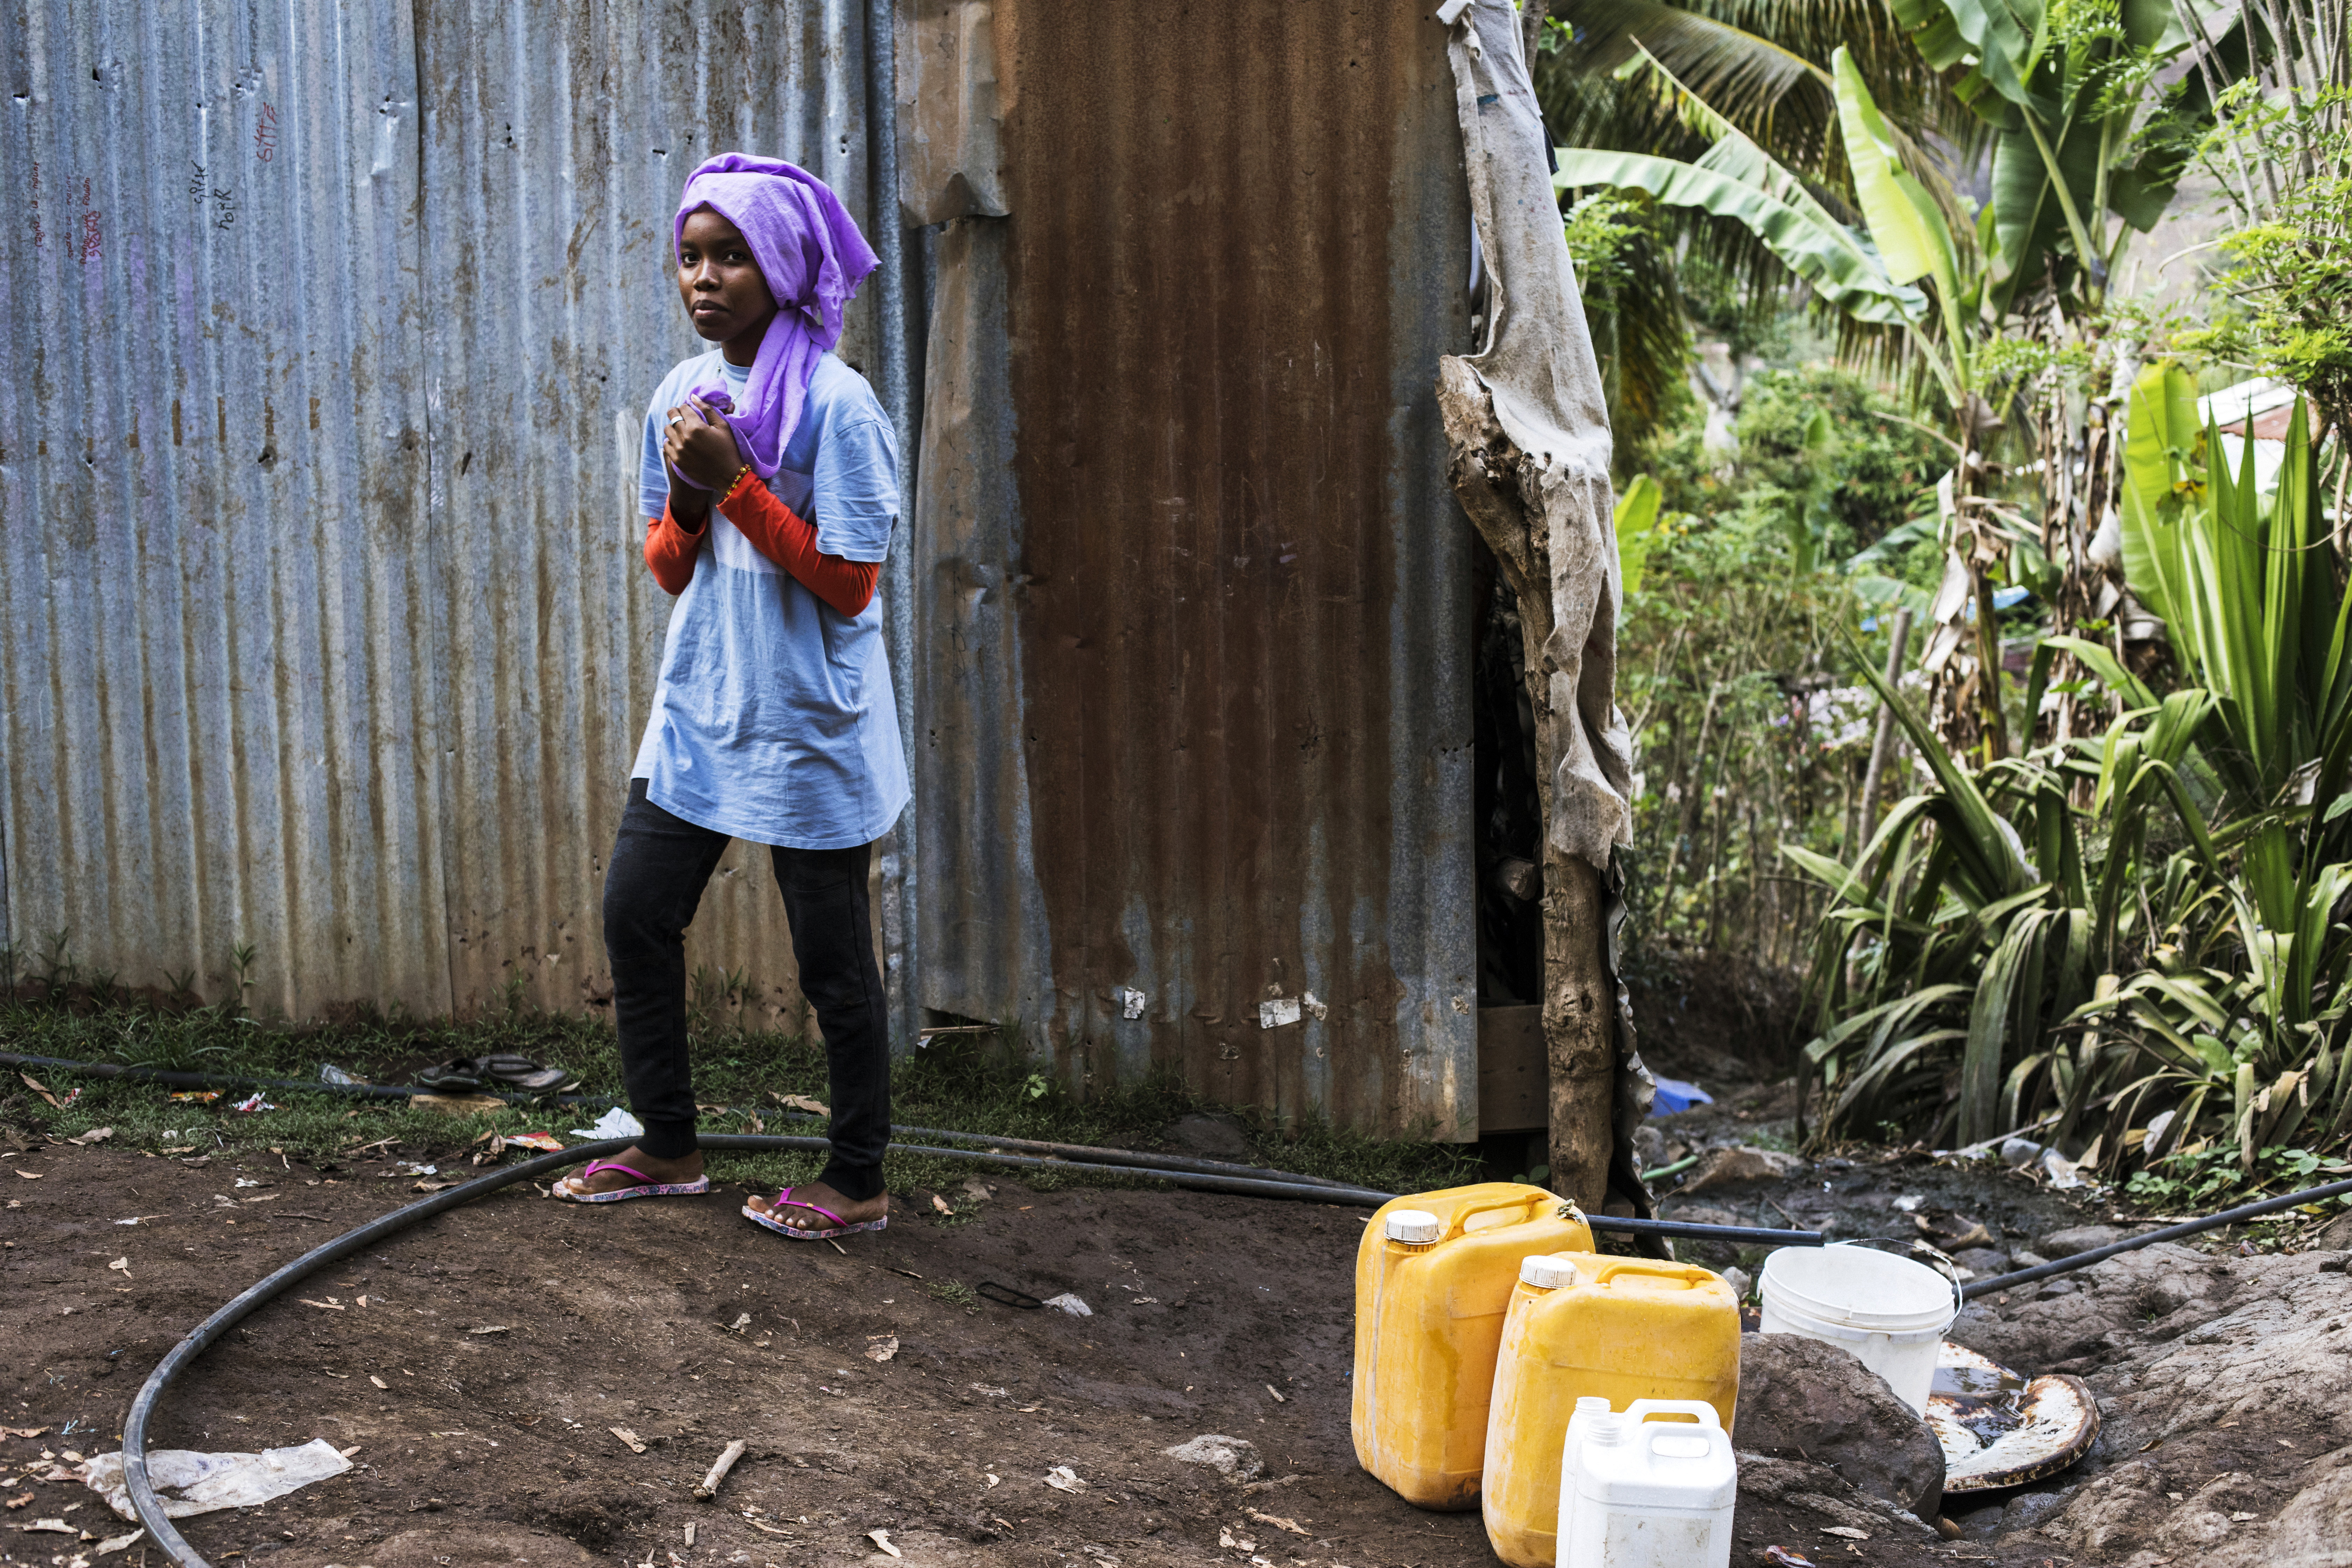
[511, 1336]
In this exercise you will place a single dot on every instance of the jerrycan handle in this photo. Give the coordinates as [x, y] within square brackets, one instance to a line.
[1525, 1201]
[1678, 1433]
[1706, 1414]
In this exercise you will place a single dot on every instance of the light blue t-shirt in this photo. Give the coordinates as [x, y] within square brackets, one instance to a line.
[773, 719]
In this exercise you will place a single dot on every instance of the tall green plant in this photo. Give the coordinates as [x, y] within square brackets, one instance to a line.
[2247, 595]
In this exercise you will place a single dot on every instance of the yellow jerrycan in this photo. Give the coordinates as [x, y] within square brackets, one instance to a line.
[1581, 1326]
[1433, 1278]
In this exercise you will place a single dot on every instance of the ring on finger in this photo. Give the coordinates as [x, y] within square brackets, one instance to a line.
[678, 419]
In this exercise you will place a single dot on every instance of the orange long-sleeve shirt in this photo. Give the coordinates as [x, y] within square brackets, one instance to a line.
[777, 532]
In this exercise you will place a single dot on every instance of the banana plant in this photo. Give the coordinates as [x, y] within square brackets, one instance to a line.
[2089, 138]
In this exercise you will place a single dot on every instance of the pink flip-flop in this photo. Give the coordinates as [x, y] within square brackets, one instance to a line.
[784, 1200]
[651, 1189]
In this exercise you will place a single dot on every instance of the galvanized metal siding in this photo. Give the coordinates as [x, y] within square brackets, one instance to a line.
[212, 463]
[557, 138]
[329, 631]
[1211, 690]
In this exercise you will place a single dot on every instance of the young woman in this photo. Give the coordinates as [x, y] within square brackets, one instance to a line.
[769, 482]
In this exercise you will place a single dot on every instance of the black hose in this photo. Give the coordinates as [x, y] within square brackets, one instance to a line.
[144, 1501]
[1255, 1187]
[1691, 1231]
[1121, 1156]
[1970, 1291]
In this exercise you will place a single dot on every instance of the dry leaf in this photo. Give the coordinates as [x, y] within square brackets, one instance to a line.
[347, 1453]
[20, 1502]
[881, 1538]
[1061, 1478]
[991, 1479]
[940, 1203]
[1845, 1531]
[322, 1306]
[28, 1175]
[121, 1266]
[49, 1527]
[881, 1347]
[1278, 1399]
[801, 1102]
[689, 1532]
[1276, 1519]
[771, 1529]
[22, 1431]
[378, 1382]
[37, 1087]
[631, 1438]
[491, 1329]
[742, 1320]
[95, 1135]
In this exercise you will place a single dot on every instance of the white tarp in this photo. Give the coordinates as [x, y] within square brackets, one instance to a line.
[1539, 368]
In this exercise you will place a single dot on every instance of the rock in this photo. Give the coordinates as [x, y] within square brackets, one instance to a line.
[2335, 1235]
[1235, 1458]
[1209, 1137]
[1806, 1399]
[1649, 1147]
[1729, 1167]
[1738, 1279]
[2061, 1244]
[1982, 1262]
[1816, 1489]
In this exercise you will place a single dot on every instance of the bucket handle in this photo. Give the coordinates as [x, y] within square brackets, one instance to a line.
[1918, 1252]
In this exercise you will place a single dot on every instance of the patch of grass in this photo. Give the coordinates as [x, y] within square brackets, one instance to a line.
[955, 1293]
[980, 1084]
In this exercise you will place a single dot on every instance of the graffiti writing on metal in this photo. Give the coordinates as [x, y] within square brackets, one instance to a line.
[265, 134]
[36, 206]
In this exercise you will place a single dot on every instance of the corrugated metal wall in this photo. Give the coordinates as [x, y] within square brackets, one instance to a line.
[329, 328]
[1196, 593]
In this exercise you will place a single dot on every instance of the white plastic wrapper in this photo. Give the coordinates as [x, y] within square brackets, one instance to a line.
[206, 1482]
[615, 1124]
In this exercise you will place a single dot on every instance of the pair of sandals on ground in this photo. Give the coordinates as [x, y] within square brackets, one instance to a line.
[593, 1185]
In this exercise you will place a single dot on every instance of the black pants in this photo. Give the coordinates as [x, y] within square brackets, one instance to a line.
[660, 863]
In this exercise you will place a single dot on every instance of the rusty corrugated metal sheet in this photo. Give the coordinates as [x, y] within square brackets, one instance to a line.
[328, 632]
[1197, 593]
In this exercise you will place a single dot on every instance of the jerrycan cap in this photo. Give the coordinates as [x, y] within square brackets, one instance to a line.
[1551, 1273]
[1415, 1226]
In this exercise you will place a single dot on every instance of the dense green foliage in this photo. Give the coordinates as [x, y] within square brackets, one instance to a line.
[1749, 735]
[2138, 933]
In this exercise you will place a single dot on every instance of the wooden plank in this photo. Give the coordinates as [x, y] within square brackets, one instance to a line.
[1513, 1080]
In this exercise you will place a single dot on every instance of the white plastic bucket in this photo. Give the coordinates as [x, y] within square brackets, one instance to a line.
[1889, 1312]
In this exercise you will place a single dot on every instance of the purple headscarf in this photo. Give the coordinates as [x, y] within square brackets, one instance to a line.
[813, 257]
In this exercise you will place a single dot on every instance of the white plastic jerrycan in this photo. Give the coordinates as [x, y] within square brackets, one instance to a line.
[1638, 1493]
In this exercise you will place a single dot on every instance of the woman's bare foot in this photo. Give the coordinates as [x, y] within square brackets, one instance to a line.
[818, 1195]
[607, 1177]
